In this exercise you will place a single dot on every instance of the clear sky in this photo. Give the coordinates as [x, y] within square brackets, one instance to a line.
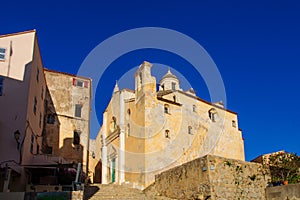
[255, 45]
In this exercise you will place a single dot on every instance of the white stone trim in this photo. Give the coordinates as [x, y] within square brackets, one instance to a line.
[122, 139]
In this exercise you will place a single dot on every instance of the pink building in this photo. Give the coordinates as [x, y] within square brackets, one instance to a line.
[24, 105]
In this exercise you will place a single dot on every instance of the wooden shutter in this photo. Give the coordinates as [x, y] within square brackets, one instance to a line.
[74, 81]
[86, 84]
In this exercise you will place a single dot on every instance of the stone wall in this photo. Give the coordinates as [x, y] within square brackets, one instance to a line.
[291, 192]
[213, 177]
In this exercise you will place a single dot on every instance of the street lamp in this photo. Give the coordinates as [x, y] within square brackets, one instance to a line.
[17, 135]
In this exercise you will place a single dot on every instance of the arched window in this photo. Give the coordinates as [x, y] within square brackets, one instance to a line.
[128, 114]
[212, 113]
[190, 130]
[113, 124]
[174, 98]
[166, 108]
[167, 133]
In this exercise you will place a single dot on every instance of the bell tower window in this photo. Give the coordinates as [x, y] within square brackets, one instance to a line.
[173, 86]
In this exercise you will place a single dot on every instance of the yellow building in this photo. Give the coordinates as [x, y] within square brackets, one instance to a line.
[67, 124]
[146, 131]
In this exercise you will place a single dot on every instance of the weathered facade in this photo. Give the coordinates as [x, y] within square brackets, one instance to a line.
[213, 177]
[146, 131]
[67, 124]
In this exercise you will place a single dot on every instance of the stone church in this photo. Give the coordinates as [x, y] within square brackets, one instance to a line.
[150, 130]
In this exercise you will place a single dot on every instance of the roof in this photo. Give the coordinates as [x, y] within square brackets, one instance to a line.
[204, 101]
[68, 74]
[169, 75]
[19, 33]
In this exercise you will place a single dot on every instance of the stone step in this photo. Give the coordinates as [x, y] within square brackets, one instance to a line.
[113, 191]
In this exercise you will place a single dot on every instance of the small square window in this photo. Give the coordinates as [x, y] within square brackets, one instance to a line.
[79, 83]
[78, 108]
[2, 53]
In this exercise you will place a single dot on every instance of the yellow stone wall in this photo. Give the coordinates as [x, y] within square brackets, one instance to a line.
[63, 96]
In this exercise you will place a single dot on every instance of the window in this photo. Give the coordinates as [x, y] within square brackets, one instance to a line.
[2, 53]
[190, 130]
[31, 143]
[78, 108]
[174, 98]
[1, 85]
[167, 133]
[173, 86]
[40, 122]
[37, 149]
[163, 87]
[50, 119]
[114, 122]
[194, 108]
[80, 83]
[76, 138]
[166, 108]
[128, 129]
[37, 74]
[42, 94]
[34, 105]
[128, 114]
[212, 114]
[233, 123]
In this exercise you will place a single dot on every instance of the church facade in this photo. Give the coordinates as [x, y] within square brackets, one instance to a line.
[147, 131]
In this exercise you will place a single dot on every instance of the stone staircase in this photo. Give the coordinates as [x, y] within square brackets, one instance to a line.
[112, 191]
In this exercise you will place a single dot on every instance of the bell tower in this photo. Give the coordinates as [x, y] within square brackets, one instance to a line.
[144, 82]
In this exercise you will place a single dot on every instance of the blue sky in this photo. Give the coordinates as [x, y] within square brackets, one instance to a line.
[255, 45]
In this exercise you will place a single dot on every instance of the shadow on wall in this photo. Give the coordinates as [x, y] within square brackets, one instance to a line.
[89, 191]
[72, 151]
[98, 173]
[51, 127]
